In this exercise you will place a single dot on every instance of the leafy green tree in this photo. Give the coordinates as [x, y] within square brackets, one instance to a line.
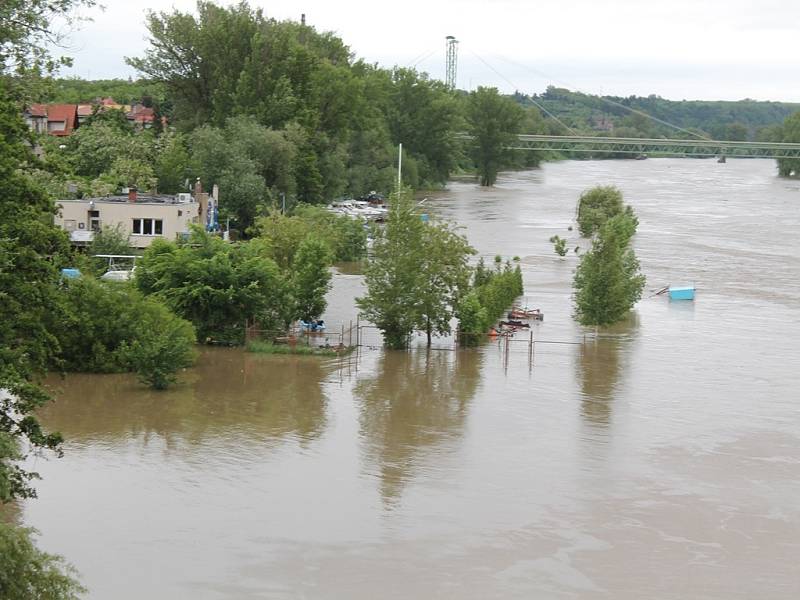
[26, 40]
[308, 177]
[311, 278]
[94, 149]
[27, 572]
[215, 285]
[283, 234]
[30, 250]
[244, 195]
[424, 116]
[392, 273]
[607, 281]
[415, 276]
[493, 121]
[132, 172]
[444, 277]
[597, 205]
[172, 163]
[472, 320]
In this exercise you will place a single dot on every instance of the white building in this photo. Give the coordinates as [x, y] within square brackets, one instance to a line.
[143, 218]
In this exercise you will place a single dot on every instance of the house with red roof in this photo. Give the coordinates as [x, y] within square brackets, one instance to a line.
[61, 119]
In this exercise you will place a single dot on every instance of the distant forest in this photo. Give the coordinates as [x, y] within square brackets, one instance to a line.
[743, 120]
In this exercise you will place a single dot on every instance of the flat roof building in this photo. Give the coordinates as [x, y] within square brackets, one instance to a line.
[143, 218]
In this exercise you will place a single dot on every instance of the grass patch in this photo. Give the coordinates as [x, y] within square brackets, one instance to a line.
[262, 347]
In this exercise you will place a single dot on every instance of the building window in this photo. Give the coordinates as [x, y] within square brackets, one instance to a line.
[148, 227]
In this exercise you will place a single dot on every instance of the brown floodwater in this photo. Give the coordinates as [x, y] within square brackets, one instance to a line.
[659, 459]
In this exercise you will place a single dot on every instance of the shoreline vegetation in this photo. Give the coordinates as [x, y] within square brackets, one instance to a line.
[296, 349]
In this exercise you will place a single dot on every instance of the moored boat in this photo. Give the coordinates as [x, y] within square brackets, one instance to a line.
[533, 314]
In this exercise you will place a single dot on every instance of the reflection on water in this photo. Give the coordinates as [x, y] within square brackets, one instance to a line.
[599, 367]
[414, 401]
[229, 391]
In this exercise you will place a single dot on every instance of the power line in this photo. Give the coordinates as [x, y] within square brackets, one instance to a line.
[539, 106]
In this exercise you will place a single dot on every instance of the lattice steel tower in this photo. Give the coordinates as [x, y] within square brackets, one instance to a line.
[452, 62]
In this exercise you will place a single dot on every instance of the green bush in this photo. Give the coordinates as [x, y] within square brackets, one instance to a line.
[164, 344]
[494, 296]
[111, 327]
[559, 245]
[472, 320]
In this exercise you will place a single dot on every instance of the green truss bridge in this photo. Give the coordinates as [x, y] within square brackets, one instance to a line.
[658, 147]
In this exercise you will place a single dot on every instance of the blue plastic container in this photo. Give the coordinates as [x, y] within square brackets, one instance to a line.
[681, 292]
[70, 273]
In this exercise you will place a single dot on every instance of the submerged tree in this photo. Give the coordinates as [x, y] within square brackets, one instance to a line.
[310, 278]
[416, 275]
[607, 281]
[597, 205]
[494, 120]
[790, 132]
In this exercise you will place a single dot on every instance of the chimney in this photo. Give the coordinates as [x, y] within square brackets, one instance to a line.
[198, 187]
[303, 19]
[132, 194]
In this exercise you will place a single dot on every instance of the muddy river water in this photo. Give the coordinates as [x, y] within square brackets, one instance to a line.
[660, 459]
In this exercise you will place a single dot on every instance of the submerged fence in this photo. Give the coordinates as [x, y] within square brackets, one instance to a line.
[356, 335]
[341, 338]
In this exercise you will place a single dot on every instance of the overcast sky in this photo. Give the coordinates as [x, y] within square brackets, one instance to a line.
[678, 49]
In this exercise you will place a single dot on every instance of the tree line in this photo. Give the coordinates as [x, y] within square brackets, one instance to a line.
[742, 120]
[275, 110]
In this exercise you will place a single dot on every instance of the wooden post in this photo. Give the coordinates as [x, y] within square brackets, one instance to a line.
[530, 350]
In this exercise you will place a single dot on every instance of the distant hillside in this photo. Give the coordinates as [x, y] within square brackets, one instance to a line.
[609, 115]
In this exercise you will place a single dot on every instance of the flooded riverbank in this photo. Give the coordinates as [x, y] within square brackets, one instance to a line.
[660, 459]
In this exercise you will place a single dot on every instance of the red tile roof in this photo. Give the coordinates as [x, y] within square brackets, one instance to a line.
[141, 114]
[85, 110]
[37, 110]
[63, 112]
